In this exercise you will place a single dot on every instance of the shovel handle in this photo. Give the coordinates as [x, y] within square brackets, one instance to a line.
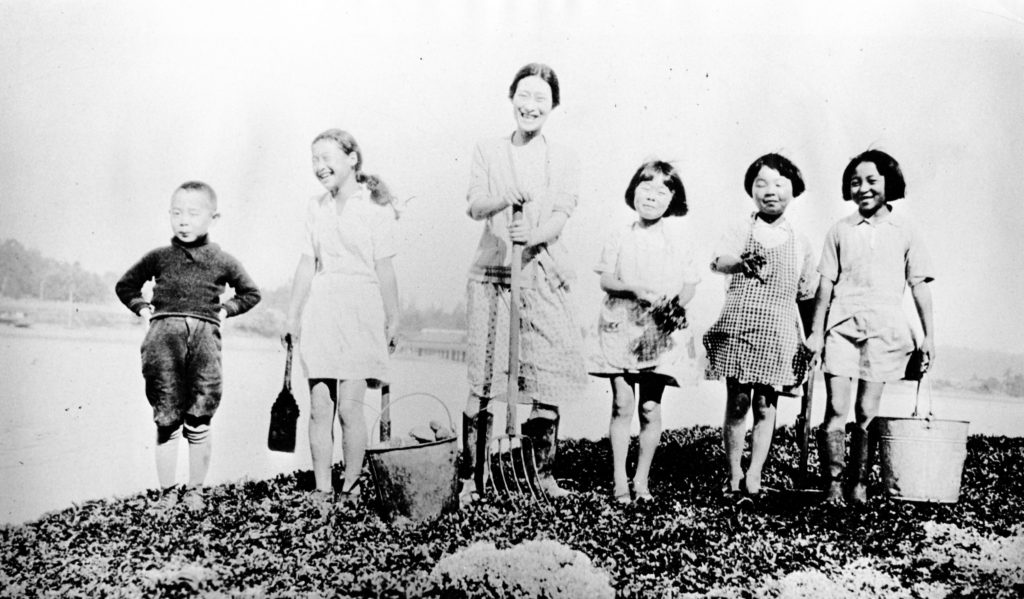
[288, 362]
[515, 273]
[385, 413]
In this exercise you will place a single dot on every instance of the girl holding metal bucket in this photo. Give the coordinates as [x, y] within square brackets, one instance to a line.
[869, 258]
[343, 311]
[526, 170]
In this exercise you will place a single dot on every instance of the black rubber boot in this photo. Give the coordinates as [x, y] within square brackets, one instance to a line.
[543, 435]
[860, 465]
[476, 434]
[831, 455]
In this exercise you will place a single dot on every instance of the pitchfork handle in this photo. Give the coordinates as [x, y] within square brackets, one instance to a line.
[513, 328]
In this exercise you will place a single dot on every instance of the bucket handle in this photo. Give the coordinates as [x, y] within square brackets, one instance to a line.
[917, 400]
[384, 415]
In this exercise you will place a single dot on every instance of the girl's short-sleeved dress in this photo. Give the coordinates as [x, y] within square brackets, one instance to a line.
[551, 357]
[343, 334]
[660, 258]
[758, 338]
[871, 260]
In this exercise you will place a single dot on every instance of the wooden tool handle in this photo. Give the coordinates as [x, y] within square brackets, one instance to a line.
[385, 413]
[512, 396]
[288, 362]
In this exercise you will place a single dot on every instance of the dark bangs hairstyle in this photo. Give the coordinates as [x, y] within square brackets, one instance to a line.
[539, 70]
[665, 173]
[779, 163]
[895, 184]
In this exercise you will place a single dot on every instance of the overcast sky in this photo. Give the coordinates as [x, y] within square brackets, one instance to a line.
[105, 107]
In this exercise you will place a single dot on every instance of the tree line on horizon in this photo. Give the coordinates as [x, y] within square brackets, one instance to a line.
[27, 273]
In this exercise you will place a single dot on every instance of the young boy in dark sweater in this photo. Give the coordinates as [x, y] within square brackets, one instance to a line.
[181, 351]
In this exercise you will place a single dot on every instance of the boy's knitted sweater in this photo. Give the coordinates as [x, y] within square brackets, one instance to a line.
[190, 278]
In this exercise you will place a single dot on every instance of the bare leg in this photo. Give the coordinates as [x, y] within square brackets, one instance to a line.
[650, 433]
[623, 403]
[869, 399]
[167, 454]
[734, 428]
[353, 429]
[321, 435]
[765, 401]
[837, 406]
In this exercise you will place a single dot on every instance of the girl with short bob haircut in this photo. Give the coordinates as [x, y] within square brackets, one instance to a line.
[648, 276]
[869, 259]
[757, 342]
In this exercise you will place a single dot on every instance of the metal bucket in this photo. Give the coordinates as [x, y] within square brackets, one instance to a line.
[418, 481]
[922, 459]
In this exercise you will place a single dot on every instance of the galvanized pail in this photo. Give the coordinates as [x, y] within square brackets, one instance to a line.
[922, 459]
[418, 481]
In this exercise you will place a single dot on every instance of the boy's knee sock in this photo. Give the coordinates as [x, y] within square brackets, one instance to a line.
[167, 454]
[197, 433]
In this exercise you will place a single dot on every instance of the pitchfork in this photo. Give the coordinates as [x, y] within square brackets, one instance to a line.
[513, 469]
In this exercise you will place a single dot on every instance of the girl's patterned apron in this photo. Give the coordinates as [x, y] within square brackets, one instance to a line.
[757, 338]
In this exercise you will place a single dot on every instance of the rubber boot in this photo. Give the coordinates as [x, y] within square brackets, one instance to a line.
[543, 435]
[472, 469]
[831, 455]
[860, 466]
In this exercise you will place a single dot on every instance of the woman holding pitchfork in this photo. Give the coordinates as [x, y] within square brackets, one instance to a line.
[522, 170]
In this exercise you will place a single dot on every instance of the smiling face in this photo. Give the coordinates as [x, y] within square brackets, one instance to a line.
[531, 104]
[191, 214]
[331, 165]
[771, 191]
[867, 188]
[651, 199]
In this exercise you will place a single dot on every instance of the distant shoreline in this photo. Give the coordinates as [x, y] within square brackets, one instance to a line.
[239, 339]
